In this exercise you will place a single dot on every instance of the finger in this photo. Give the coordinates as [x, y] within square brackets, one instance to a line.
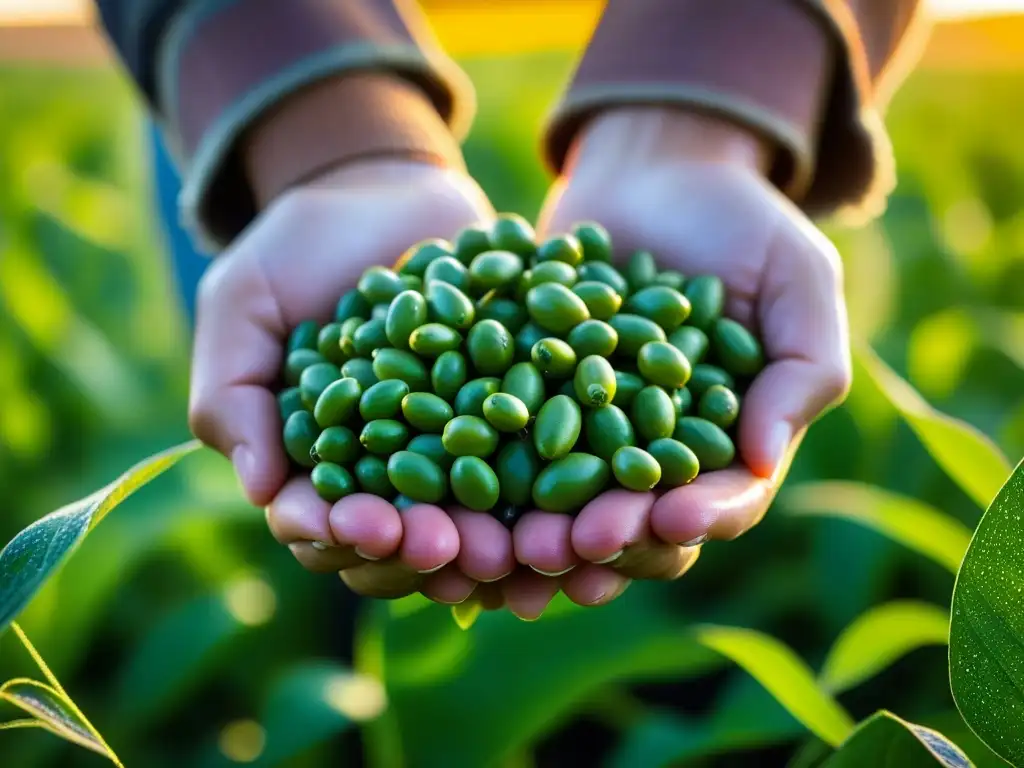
[805, 331]
[449, 586]
[610, 524]
[543, 541]
[368, 523]
[717, 505]
[313, 556]
[485, 546]
[490, 596]
[236, 357]
[528, 593]
[383, 581]
[430, 540]
[297, 513]
[664, 562]
[591, 585]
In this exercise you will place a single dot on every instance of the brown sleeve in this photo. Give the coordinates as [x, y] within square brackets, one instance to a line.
[805, 73]
[223, 68]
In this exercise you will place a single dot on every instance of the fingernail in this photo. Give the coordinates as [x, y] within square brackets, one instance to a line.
[319, 545]
[606, 597]
[610, 558]
[497, 578]
[552, 574]
[435, 569]
[781, 437]
[244, 462]
[365, 556]
[695, 542]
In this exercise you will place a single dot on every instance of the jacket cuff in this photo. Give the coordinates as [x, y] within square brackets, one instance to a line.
[765, 64]
[223, 66]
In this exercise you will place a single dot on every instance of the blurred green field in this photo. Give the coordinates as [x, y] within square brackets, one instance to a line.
[181, 616]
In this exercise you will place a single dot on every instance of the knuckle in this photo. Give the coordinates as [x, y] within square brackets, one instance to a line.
[836, 383]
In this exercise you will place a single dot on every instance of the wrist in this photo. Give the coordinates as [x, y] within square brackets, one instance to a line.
[649, 135]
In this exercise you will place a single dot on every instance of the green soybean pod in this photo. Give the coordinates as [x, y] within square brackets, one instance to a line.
[289, 401]
[682, 400]
[336, 445]
[635, 468]
[473, 483]
[527, 336]
[505, 412]
[491, 270]
[426, 412]
[415, 260]
[670, 278]
[554, 358]
[557, 427]
[641, 270]
[314, 380]
[691, 341]
[552, 272]
[447, 304]
[517, 466]
[379, 285]
[328, 343]
[706, 294]
[705, 376]
[331, 482]
[383, 400]
[512, 232]
[416, 477]
[508, 515]
[509, 313]
[601, 299]
[346, 336]
[469, 401]
[567, 484]
[369, 336]
[603, 273]
[563, 248]
[525, 382]
[448, 374]
[568, 389]
[662, 364]
[679, 465]
[593, 337]
[372, 475]
[431, 446]
[554, 307]
[300, 433]
[594, 240]
[653, 413]
[412, 283]
[352, 304]
[719, 405]
[360, 369]
[298, 361]
[384, 436]
[665, 306]
[391, 363]
[401, 502]
[736, 348]
[408, 311]
[627, 385]
[448, 270]
[490, 347]
[380, 312]
[634, 331]
[594, 381]
[434, 339]
[469, 436]
[303, 336]
[471, 241]
[709, 443]
[607, 429]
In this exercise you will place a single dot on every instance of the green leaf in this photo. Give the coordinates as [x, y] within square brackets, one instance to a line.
[986, 637]
[907, 521]
[880, 636]
[784, 675]
[885, 739]
[32, 556]
[970, 458]
[52, 712]
[466, 613]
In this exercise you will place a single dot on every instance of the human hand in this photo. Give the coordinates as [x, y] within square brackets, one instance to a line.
[305, 249]
[692, 190]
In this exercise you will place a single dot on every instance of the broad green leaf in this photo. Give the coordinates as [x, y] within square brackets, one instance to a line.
[38, 551]
[784, 675]
[879, 637]
[970, 458]
[885, 739]
[986, 637]
[52, 711]
[907, 521]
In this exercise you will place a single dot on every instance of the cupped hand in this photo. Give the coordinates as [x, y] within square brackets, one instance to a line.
[692, 190]
[305, 249]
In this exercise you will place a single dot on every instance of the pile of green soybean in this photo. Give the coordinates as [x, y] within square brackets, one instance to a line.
[503, 374]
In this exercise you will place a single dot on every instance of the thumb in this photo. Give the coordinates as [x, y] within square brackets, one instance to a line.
[236, 358]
